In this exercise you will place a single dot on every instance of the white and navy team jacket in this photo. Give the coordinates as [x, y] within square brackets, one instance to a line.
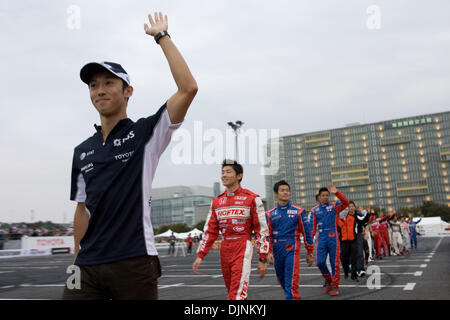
[114, 180]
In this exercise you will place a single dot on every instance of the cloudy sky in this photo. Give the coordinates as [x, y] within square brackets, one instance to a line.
[295, 66]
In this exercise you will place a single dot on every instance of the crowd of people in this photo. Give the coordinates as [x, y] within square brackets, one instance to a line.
[17, 230]
[366, 236]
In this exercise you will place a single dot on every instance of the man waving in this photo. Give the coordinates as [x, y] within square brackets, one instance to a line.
[112, 175]
[325, 220]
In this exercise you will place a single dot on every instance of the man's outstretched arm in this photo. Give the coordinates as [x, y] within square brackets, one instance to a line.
[179, 103]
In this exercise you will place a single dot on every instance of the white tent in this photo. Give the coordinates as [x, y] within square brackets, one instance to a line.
[166, 234]
[193, 232]
[432, 226]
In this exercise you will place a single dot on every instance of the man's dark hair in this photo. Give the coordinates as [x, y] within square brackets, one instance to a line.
[317, 197]
[235, 165]
[351, 202]
[322, 190]
[280, 183]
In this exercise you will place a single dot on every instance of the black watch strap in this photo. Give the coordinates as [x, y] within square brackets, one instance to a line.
[161, 34]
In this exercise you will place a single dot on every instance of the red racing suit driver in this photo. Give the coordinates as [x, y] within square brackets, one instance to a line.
[236, 215]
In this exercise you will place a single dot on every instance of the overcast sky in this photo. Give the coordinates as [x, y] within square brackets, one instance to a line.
[295, 66]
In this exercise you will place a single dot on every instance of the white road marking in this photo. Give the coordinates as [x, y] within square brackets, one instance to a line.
[437, 245]
[7, 271]
[42, 268]
[26, 285]
[171, 285]
[277, 286]
[426, 260]
[399, 260]
[417, 273]
[410, 286]
[7, 287]
[403, 265]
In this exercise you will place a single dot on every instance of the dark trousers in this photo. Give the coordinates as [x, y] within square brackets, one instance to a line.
[130, 279]
[348, 256]
[361, 247]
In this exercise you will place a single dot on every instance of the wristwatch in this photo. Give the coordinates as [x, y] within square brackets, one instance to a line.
[263, 260]
[161, 34]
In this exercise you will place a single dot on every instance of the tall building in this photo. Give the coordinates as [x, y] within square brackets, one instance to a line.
[178, 204]
[391, 164]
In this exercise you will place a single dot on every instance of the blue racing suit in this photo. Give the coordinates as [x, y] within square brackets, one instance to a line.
[286, 223]
[413, 232]
[325, 219]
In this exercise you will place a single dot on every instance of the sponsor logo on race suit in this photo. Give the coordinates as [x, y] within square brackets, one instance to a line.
[238, 229]
[230, 212]
[119, 142]
[86, 154]
[88, 167]
[124, 156]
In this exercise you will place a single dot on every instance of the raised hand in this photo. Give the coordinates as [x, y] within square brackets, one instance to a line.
[332, 188]
[159, 23]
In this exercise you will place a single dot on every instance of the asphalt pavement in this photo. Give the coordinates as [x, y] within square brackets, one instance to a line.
[422, 275]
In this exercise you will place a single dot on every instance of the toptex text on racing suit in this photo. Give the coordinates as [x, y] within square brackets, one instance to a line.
[325, 220]
[286, 223]
[236, 215]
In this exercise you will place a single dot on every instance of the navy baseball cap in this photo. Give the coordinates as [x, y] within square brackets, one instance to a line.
[92, 68]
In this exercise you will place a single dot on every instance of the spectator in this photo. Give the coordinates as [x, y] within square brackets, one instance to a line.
[172, 241]
[189, 241]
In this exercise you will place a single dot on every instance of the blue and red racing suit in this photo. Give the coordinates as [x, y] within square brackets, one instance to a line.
[286, 223]
[325, 218]
[413, 232]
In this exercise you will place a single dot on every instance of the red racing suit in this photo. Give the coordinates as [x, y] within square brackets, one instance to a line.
[236, 215]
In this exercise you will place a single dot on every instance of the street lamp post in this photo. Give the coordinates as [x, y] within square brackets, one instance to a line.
[236, 126]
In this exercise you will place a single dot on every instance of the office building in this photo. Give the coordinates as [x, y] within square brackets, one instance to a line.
[178, 204]
[390, 164]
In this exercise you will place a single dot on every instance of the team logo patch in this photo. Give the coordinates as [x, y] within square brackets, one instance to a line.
[118, 142]
[243, 295]
[230, 212]
[289, 247]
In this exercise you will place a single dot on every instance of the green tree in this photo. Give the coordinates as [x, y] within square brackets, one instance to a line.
[432, 209]
[200, 225]
[180, 227]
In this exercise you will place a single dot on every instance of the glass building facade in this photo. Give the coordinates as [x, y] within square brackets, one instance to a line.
[177, 204]
[391, 164]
